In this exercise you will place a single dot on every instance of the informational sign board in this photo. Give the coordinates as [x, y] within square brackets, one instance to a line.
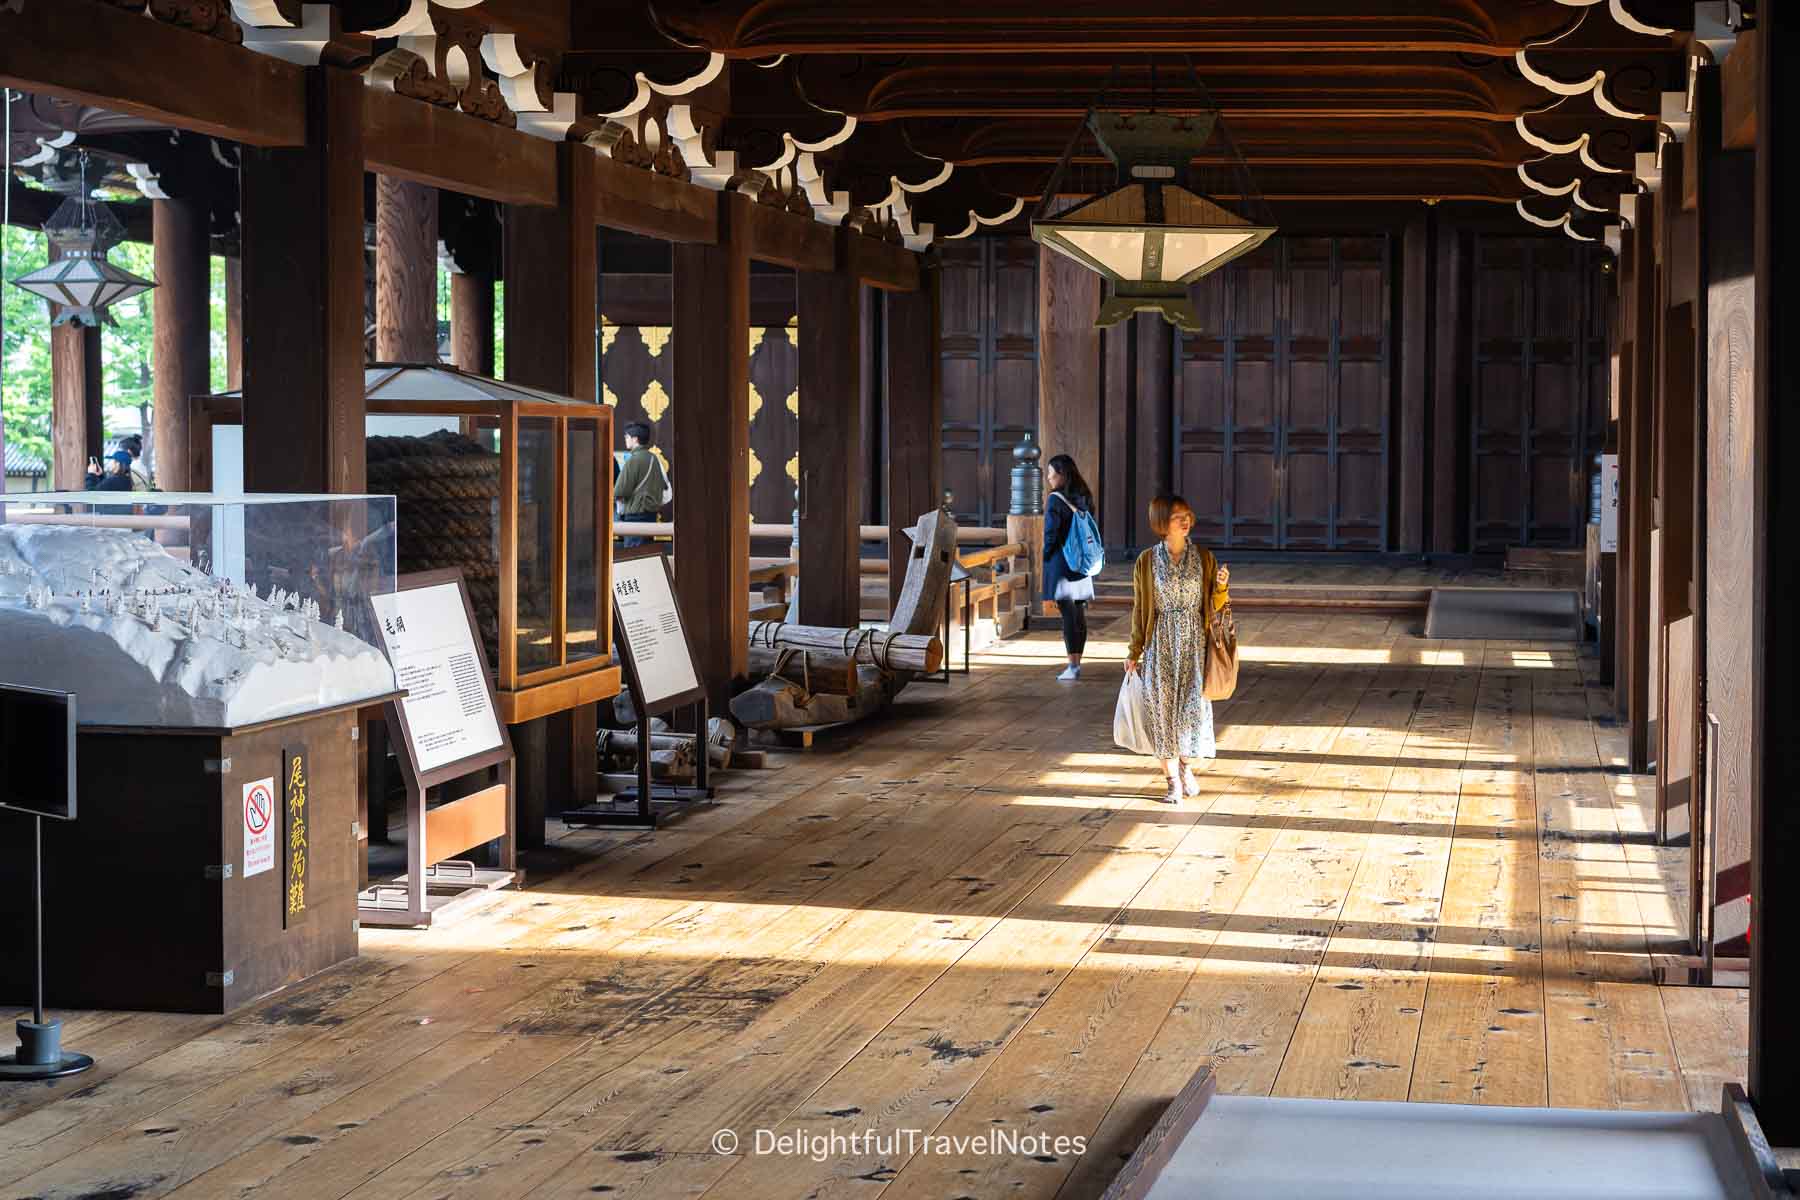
[37, 746]
[448, 715]
[652, 639]
[1609, 504]
[260, 816]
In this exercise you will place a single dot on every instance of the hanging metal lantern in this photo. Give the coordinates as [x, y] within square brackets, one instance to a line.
[80, 282]
[1158, 227]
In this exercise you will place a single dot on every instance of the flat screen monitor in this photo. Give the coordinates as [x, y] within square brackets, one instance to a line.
[37, 752]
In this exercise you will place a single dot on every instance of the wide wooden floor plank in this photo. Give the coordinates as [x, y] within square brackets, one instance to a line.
[1416, 870]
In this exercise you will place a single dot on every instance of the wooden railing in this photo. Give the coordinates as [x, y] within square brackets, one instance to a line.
[1001, 570]
[977, 535]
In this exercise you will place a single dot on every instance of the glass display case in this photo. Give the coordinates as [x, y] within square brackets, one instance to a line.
[509, 484]
[173, 610]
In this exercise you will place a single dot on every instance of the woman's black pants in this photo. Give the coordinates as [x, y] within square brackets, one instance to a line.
[1074, 622]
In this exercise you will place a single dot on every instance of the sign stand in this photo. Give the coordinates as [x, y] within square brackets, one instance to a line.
[448, 728]
[30, 719]
[659, 670]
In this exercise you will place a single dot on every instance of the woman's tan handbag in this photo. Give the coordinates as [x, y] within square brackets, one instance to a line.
[1221, 651]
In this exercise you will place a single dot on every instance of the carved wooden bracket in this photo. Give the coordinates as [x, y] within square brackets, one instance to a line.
[211, 17]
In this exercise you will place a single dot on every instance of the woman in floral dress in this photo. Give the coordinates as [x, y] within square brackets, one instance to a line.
[1176, 587]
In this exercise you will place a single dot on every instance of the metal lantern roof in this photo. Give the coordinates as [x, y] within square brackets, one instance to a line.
[1158, 227]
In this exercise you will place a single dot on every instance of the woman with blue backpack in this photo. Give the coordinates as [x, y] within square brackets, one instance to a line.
[1073, 555]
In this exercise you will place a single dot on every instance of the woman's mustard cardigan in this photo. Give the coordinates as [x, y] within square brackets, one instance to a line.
[1143, 596]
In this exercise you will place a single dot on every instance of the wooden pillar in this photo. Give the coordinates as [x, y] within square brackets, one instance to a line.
[234, 323]
[1155, 416]
[914, 421]
[874, 424]
[1637, 481]
[406, 237]
[1775, 885]
[183, 319]
[1068, 363]
[303, 299]
[711, 411]
[1445, 413]
[1069, 397]
[472, 321]
[1416, 310]
[1734, 530]
[831, 444]
[552, 293]
[1676, 429]
[76, 411]
[1119, 494]
[551, 301]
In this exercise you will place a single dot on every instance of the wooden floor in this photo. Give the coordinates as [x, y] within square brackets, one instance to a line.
[1417, 872]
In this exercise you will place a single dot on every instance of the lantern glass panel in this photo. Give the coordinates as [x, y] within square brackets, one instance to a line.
[583, 603]
[1120, 251]
[1186, 252]
[536, 636]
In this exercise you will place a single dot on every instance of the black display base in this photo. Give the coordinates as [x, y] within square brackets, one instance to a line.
[664, 803]
[41, 1056]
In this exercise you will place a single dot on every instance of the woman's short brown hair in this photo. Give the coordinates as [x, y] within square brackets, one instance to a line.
[1162, 509]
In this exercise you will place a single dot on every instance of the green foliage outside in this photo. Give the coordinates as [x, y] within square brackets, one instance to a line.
[26, 347]
[126, 348]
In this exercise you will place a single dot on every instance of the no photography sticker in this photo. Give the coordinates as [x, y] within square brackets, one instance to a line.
[259, 826]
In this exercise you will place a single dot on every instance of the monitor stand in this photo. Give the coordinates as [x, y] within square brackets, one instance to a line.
[40, 1054]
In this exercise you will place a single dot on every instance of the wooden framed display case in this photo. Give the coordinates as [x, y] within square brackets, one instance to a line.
[510, 484]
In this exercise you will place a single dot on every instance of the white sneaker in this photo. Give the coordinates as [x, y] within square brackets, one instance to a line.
[1070, 672]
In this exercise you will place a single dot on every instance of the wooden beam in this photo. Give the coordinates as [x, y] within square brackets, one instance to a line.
[915, 478]
[791, 239]
[303, 299]
[410, 139]
[711, 408]
[123, 62]
[406, 242]
[77, 390]
[881, 264]
[182, 359]
[1775, 885]
[1068, 363]
[649, 204]
[831, 442]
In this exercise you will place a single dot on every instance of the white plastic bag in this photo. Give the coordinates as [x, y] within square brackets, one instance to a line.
[1131, 718]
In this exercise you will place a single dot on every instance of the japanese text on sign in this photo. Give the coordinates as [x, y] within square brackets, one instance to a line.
[294, 789]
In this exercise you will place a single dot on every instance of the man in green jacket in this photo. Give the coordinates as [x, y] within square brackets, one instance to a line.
[640, 490]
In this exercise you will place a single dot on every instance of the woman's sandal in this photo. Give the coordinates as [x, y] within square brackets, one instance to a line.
[1174, 793]
[1190, 783]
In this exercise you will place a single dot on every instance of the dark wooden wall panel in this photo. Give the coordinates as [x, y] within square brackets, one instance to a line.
[987, 338]
[1283, 420]
[1539, 376]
